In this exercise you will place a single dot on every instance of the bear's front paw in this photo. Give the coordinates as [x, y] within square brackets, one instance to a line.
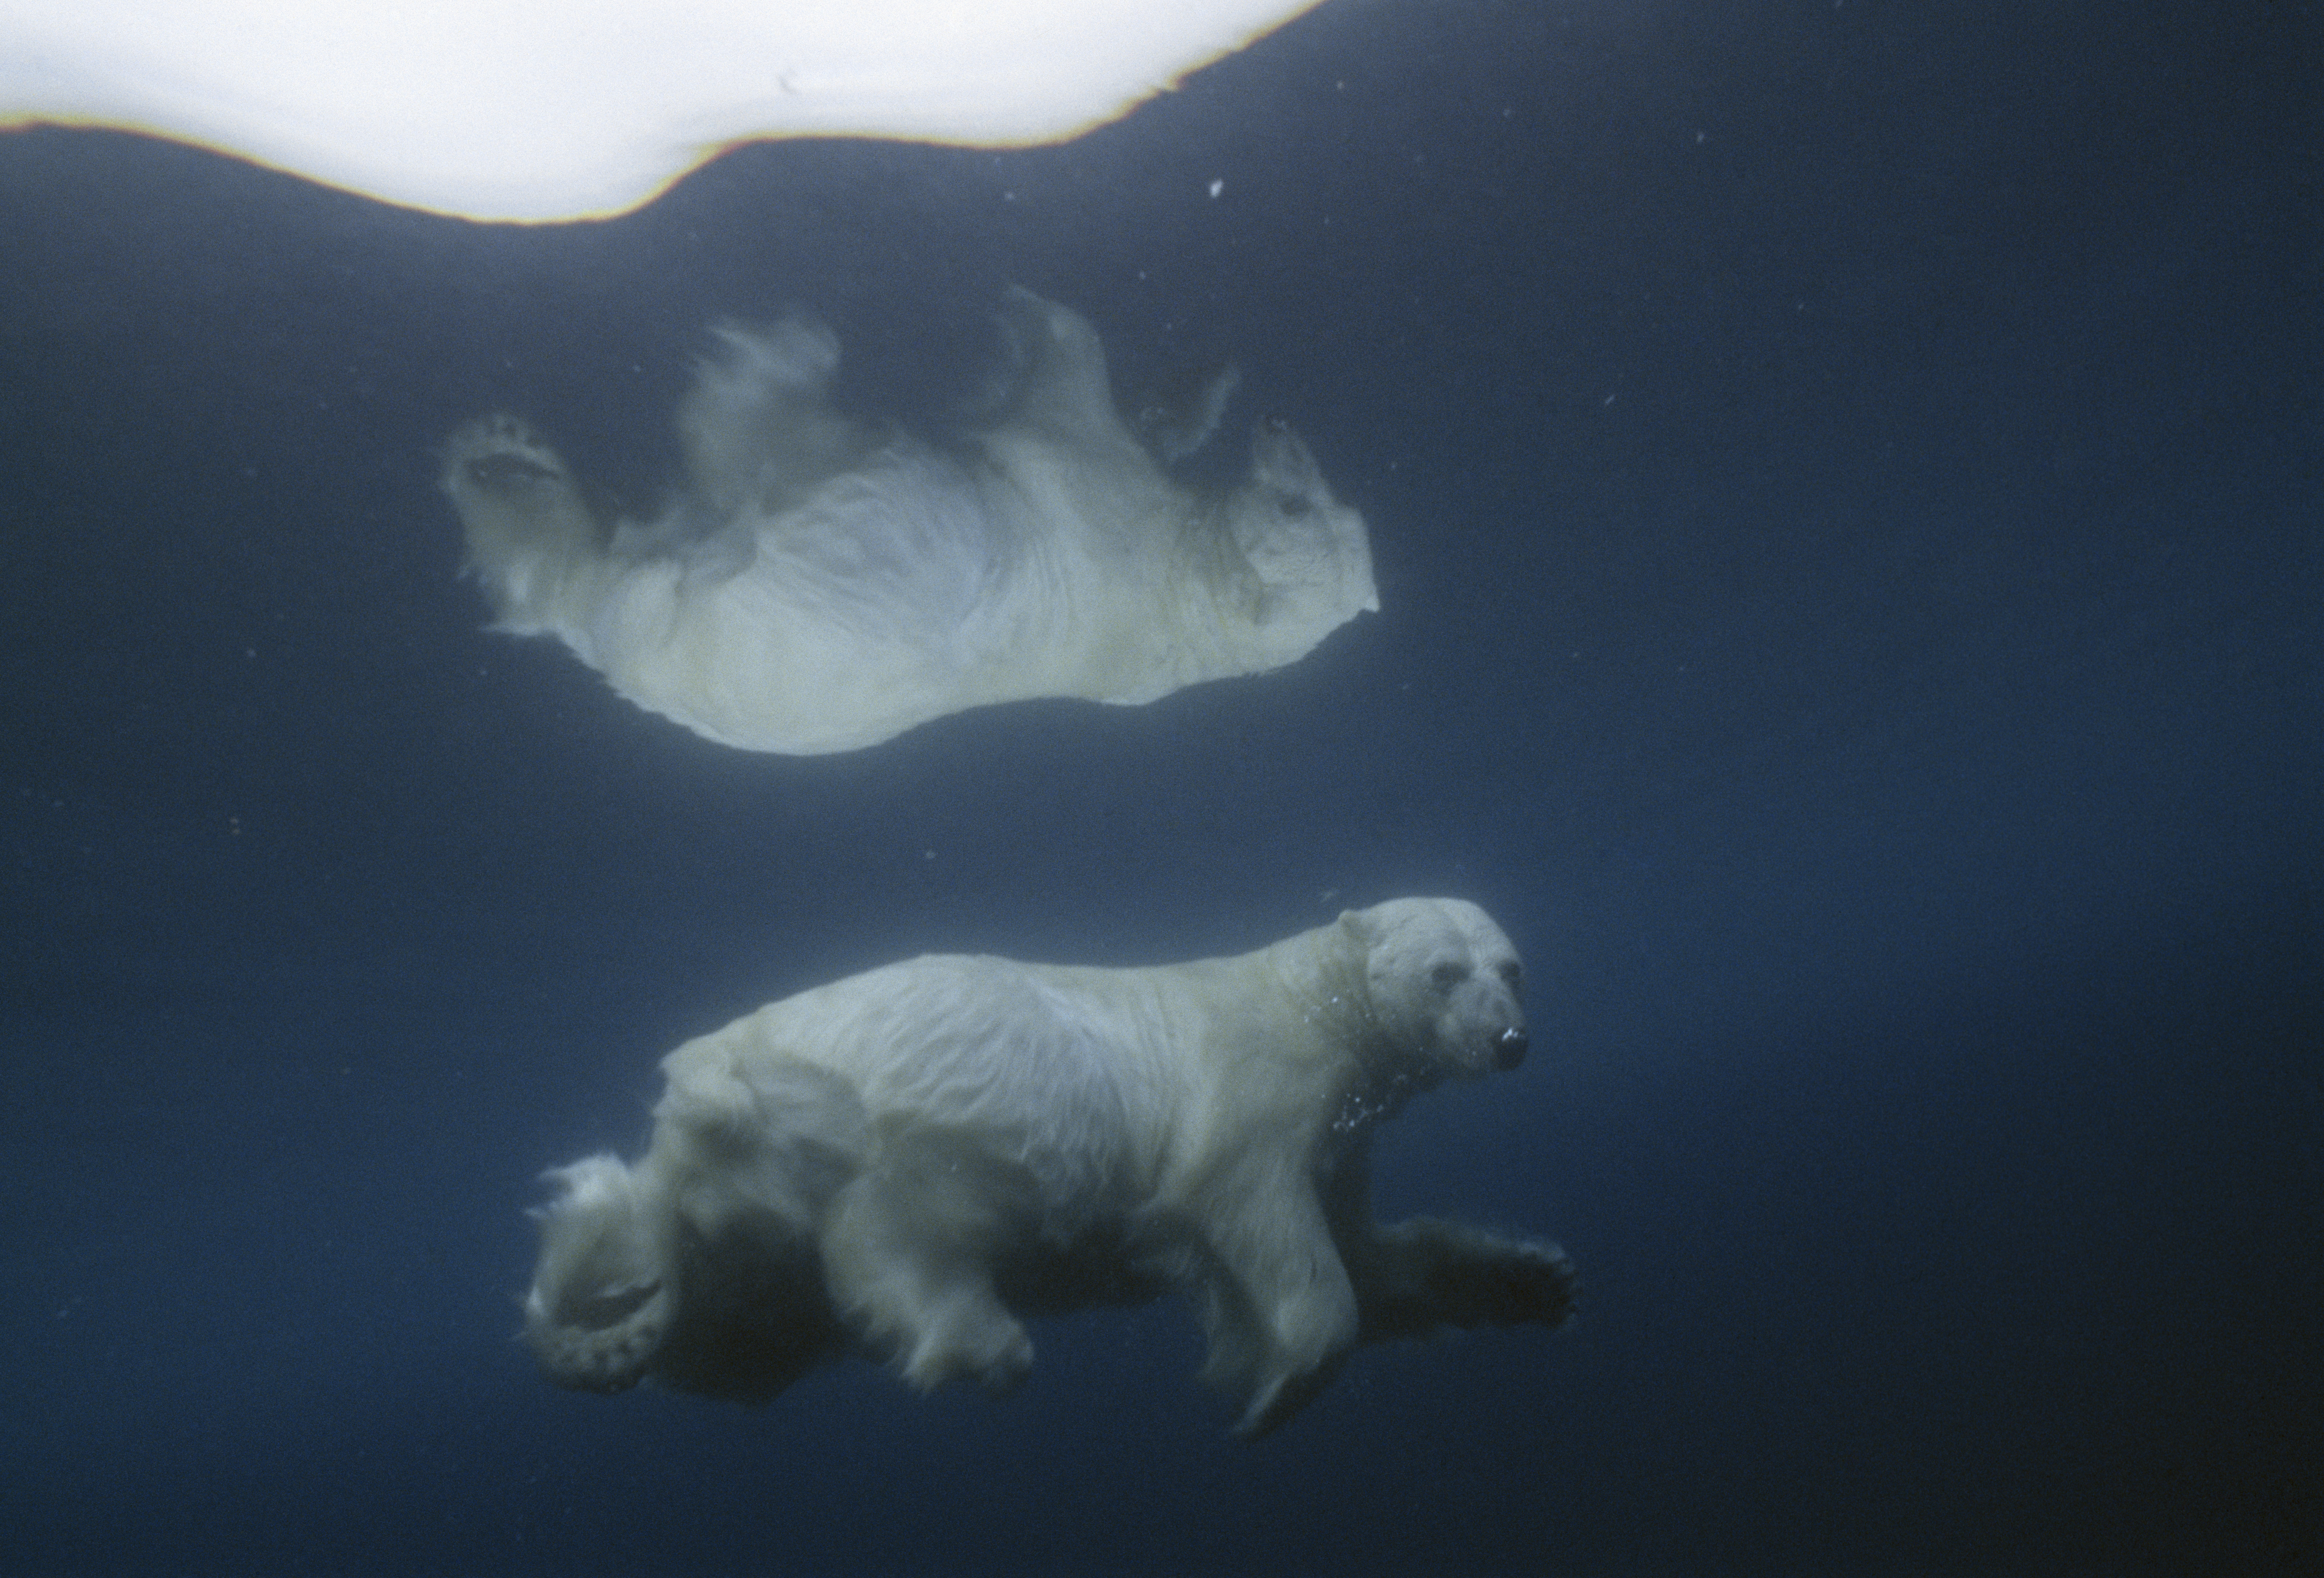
[995, 1354]
[1281, 1396]
[1534, 1283]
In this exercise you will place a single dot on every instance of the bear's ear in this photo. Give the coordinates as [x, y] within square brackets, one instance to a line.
[1280, 461]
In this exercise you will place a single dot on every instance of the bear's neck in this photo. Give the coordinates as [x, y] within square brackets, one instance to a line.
[1375, 1077]
[1326, 978]
[1333, 1002]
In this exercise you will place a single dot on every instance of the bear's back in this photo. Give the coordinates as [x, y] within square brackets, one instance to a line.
[981, 1056]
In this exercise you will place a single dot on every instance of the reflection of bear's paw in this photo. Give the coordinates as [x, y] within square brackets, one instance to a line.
[500, 454]
[602, 1343]
[526, 523]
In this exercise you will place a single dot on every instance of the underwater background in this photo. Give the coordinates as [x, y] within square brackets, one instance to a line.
[1844, 487]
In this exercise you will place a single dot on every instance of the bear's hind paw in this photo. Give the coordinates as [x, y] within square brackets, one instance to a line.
[498, 454]
[604, 1343]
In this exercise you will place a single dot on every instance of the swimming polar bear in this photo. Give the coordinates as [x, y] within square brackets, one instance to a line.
[903, 1163]
[822, 586]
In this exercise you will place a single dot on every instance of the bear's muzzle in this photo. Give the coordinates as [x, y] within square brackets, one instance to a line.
[1509, 1050]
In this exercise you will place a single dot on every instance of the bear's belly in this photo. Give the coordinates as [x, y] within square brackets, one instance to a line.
[1100, 1266]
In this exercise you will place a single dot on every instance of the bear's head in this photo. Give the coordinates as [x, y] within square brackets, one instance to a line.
[1444, 986]
[1307, 551]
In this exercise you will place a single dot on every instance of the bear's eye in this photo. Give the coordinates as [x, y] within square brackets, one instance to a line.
[1514, 974]
[1294, 506]
[1445, 976]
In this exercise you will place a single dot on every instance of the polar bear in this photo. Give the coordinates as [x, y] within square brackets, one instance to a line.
[893, 1164]
[820, 585]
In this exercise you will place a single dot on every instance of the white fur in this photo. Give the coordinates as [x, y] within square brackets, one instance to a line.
[889, 1162]
[820, 585]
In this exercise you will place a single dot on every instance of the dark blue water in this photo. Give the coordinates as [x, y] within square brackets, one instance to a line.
[1845, 490]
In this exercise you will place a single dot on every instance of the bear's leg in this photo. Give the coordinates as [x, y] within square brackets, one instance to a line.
[1424, 1273]
[911, 1274]
[1290, 1318]
[1062, 389]
[760, 432]
[603, 1295]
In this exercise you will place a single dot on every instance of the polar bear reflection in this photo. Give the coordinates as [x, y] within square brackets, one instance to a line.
[821, 585]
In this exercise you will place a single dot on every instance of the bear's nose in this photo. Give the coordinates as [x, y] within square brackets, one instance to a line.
[1509, 1050]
